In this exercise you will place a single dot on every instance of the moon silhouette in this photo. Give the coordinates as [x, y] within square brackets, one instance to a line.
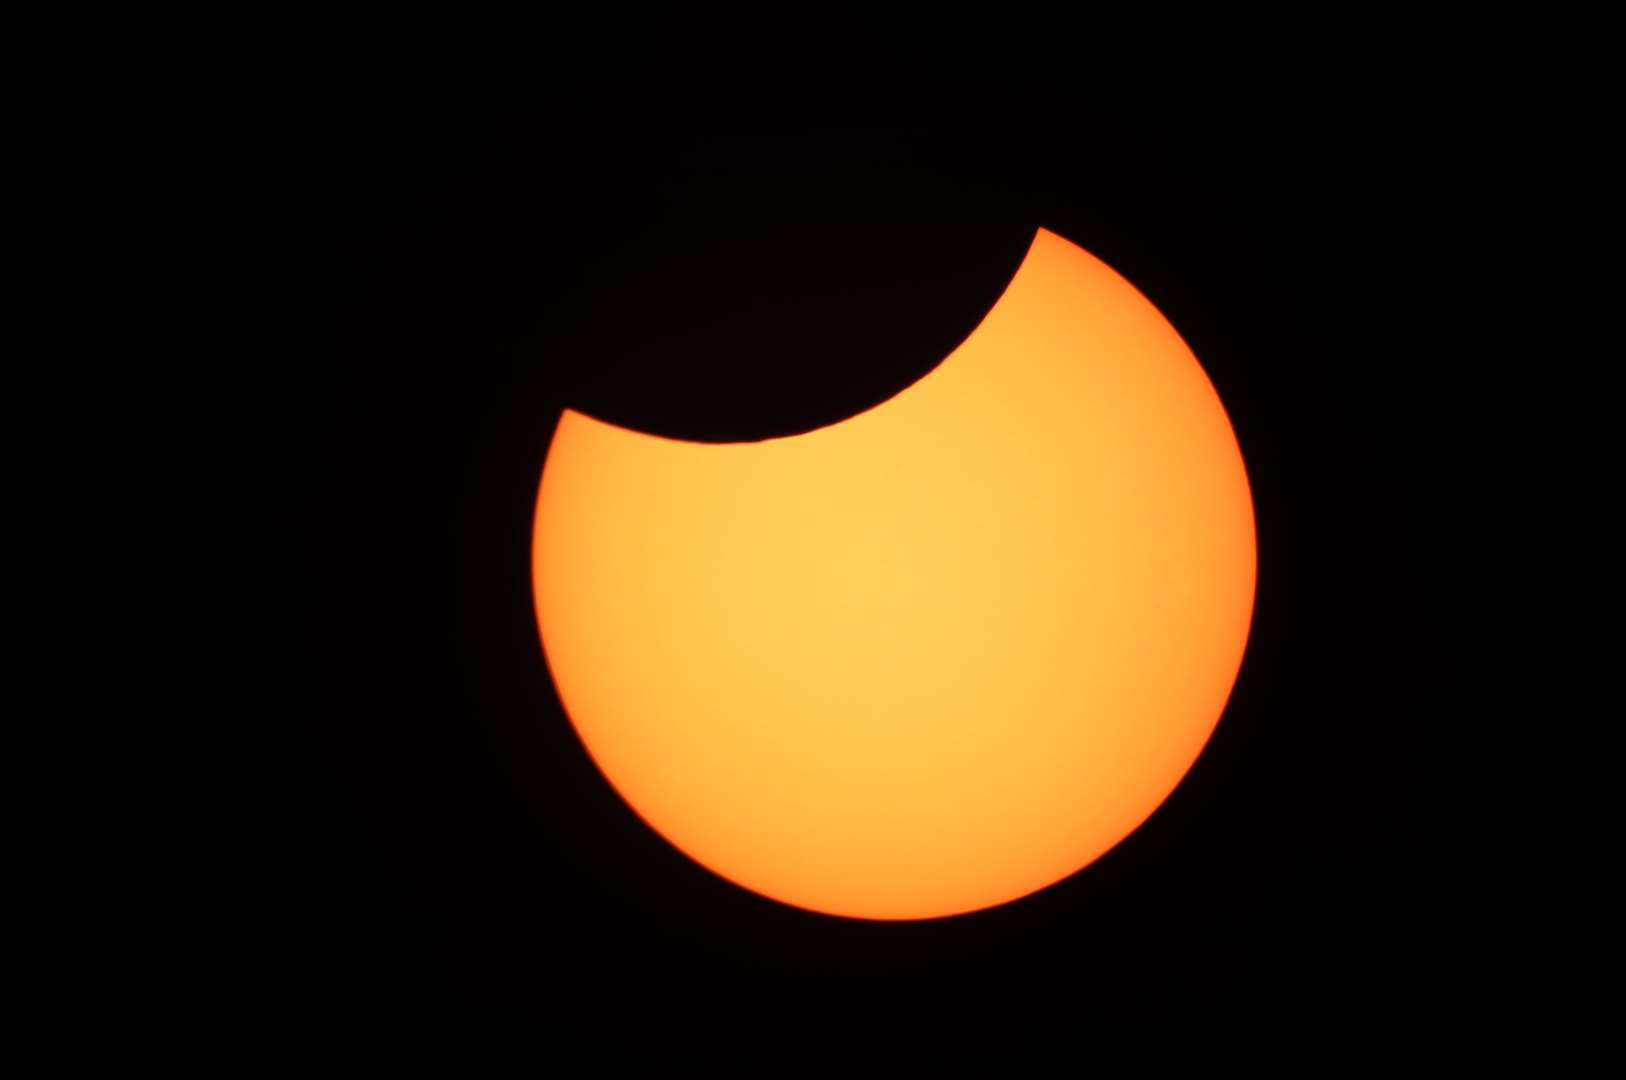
[934, 657]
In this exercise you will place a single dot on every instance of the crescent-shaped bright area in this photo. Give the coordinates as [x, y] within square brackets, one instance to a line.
[934, 657]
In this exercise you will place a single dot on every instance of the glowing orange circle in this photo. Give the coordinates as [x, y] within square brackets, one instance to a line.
[934, 657]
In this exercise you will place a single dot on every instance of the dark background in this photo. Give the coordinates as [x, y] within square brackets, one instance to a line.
[298, 301]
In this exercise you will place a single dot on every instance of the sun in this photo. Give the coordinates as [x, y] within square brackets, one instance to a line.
[932, 658]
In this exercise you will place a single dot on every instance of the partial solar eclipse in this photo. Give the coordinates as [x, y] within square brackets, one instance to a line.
[932, 658]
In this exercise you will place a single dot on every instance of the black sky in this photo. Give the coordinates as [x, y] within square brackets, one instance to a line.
[297, 301]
